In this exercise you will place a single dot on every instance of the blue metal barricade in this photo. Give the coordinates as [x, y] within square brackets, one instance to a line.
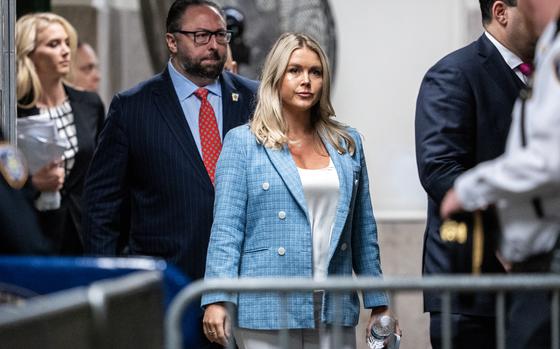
[25, 277]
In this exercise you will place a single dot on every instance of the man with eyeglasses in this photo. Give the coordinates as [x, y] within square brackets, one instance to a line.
[158, 150]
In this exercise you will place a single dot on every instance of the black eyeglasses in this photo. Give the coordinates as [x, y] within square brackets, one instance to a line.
[202, 37]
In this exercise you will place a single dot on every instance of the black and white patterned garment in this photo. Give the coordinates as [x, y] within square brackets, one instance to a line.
[64, 119]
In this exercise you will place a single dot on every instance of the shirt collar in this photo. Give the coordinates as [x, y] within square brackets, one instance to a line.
[511, 58]
[185, 87]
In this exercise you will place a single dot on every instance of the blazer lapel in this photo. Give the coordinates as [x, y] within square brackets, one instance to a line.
[285, 166]
[170, 110]
[80, 112]
[344, 170]
[81, 131]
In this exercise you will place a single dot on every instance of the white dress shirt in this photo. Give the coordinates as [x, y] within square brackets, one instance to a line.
[511, 58]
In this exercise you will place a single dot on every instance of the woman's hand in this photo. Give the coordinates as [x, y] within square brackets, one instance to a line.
[217, 323]
[376, 313]
[49, 178]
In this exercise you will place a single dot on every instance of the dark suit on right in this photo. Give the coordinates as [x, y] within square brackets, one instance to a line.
[463, 114]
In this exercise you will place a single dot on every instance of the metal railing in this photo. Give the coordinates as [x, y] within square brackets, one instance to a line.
[447, 285]
[8, 74]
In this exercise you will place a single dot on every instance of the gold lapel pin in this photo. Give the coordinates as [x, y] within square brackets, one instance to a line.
[234, 97]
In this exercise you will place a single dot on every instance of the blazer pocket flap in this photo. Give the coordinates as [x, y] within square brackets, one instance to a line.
[255, 250]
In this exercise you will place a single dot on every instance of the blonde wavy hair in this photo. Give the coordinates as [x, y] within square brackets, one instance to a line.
[28, 27]
[268, 124]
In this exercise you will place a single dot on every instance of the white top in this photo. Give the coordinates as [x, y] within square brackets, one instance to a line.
[511, 58]
[321, 191]
[521, 174]
[64, 120]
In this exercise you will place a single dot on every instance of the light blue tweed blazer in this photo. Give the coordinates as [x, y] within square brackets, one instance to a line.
[261, 229]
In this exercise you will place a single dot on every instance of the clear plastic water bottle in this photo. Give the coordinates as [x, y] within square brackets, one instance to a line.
[383, 328]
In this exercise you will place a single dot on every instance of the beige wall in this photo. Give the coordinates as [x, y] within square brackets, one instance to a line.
[385, 47]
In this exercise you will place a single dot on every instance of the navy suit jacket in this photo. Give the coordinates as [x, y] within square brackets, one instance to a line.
[147, 163]
[463, 114]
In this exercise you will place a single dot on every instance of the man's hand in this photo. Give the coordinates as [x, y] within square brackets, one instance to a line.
[217, 324]
[450, 204]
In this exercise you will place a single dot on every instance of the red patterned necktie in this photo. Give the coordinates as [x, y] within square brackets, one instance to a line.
[209, 133]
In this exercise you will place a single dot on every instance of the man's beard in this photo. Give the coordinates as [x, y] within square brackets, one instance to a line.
[208, 71]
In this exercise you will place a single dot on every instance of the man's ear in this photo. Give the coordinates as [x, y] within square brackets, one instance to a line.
[171, 42]
[500, 12]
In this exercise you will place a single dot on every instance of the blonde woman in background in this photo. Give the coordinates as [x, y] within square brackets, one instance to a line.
[45, 45]
[292, 200]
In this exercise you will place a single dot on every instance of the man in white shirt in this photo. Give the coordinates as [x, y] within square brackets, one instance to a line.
[462, 118]
[524, 183]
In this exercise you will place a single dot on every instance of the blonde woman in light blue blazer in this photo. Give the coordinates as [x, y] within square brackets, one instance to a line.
[292, 200]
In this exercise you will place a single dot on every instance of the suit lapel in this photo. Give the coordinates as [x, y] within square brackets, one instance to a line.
[81, 130]
[232, 101]
[167, 103]
[496, 67]
[285, 166]
[343, 165]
